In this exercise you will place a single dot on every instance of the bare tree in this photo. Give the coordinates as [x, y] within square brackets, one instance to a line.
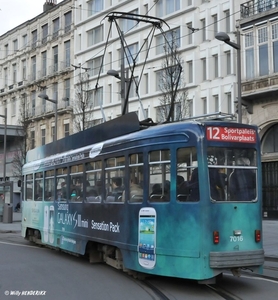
[83, 103]
[174, 104]
[23, 144]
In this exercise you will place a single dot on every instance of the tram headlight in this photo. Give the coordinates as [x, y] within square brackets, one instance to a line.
[216, 237]
[257, 235]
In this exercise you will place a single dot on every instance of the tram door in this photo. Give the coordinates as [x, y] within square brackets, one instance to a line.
[270, 189]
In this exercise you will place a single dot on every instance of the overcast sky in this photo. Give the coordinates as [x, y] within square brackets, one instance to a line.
[16, 12]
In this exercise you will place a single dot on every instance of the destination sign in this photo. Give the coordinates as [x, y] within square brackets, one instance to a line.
[231, 134]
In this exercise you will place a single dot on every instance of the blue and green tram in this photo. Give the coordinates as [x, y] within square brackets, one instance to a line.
[181, 199]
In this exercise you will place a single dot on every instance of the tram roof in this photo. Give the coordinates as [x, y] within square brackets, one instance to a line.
[116, 128]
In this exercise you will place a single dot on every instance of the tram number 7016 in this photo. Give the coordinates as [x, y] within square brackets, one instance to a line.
[236, 238]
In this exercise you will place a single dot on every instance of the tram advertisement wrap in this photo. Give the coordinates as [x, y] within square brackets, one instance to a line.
[231, 134]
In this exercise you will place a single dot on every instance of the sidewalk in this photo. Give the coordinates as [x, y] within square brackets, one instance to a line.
[14, 227]
[270, 233]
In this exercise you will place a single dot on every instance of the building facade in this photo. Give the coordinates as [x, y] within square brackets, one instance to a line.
[209, 67]
[259, 29]
[35, 59]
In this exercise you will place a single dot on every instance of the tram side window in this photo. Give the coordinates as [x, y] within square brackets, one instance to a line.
[76, 183]
[134, 191]
[114, 178]
[187, 181]
[237, 169]
[93, 183]
[159, 176]
[49, 187]
[38, 188]
[62, 184]
[29, 187]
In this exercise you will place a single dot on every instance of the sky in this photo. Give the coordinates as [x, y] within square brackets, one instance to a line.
[16, 12]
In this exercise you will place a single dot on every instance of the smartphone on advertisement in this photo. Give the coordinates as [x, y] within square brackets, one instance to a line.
[147, 237]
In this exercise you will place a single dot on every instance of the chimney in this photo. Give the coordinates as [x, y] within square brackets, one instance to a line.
[49, 4]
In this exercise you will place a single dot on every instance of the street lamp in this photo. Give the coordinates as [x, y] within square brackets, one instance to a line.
[223, 36]
[45, 97]
[5, 144]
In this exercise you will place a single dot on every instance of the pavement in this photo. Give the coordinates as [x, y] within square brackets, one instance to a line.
[270, 233]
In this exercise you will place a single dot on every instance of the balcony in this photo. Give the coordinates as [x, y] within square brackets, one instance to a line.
[254, 7]
[260, 89]
[45, 110]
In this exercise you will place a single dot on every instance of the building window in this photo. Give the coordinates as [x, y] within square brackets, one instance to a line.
[263, 51]
[34, 67]
[6, 50]
[43, 136]
[94, 66]
[216, 74]
[66, 130]
[14, 73]
[56, 27]
[24, 69]
[204, 68]
[128, 24]
[79, 44]
[166, 7]
[95, 35]
[44, 63]
[24, 40]
[131, 54]
[146, 83]
[216, 103]
[249, 55]
[67, 54]
[204, 101]
[203, 27]
[215, 23]
[189, 33]
[34, 38]
[55, 58]
[164, 77]
[13, 106]
[270, 140]
[52, 131]
[133, 87]
[162, 112]
[168, 40]
[33, 141]
[190, 71]
[229, 103]
[15, 44]
[96, 97]
[33, 102]
[67, 22]
[94, 7]
[44, 33]
[227, 18]
[228, 61]
[275, 46]
[67, 92]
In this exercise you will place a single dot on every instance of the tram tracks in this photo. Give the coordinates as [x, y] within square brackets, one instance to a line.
[177, 289]
[223, 293]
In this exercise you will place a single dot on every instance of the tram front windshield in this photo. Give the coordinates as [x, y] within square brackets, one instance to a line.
[232, 174]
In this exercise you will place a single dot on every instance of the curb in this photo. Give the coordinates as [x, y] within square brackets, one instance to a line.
[9, 231]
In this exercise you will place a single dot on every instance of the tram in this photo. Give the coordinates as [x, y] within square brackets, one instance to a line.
[180, 199]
